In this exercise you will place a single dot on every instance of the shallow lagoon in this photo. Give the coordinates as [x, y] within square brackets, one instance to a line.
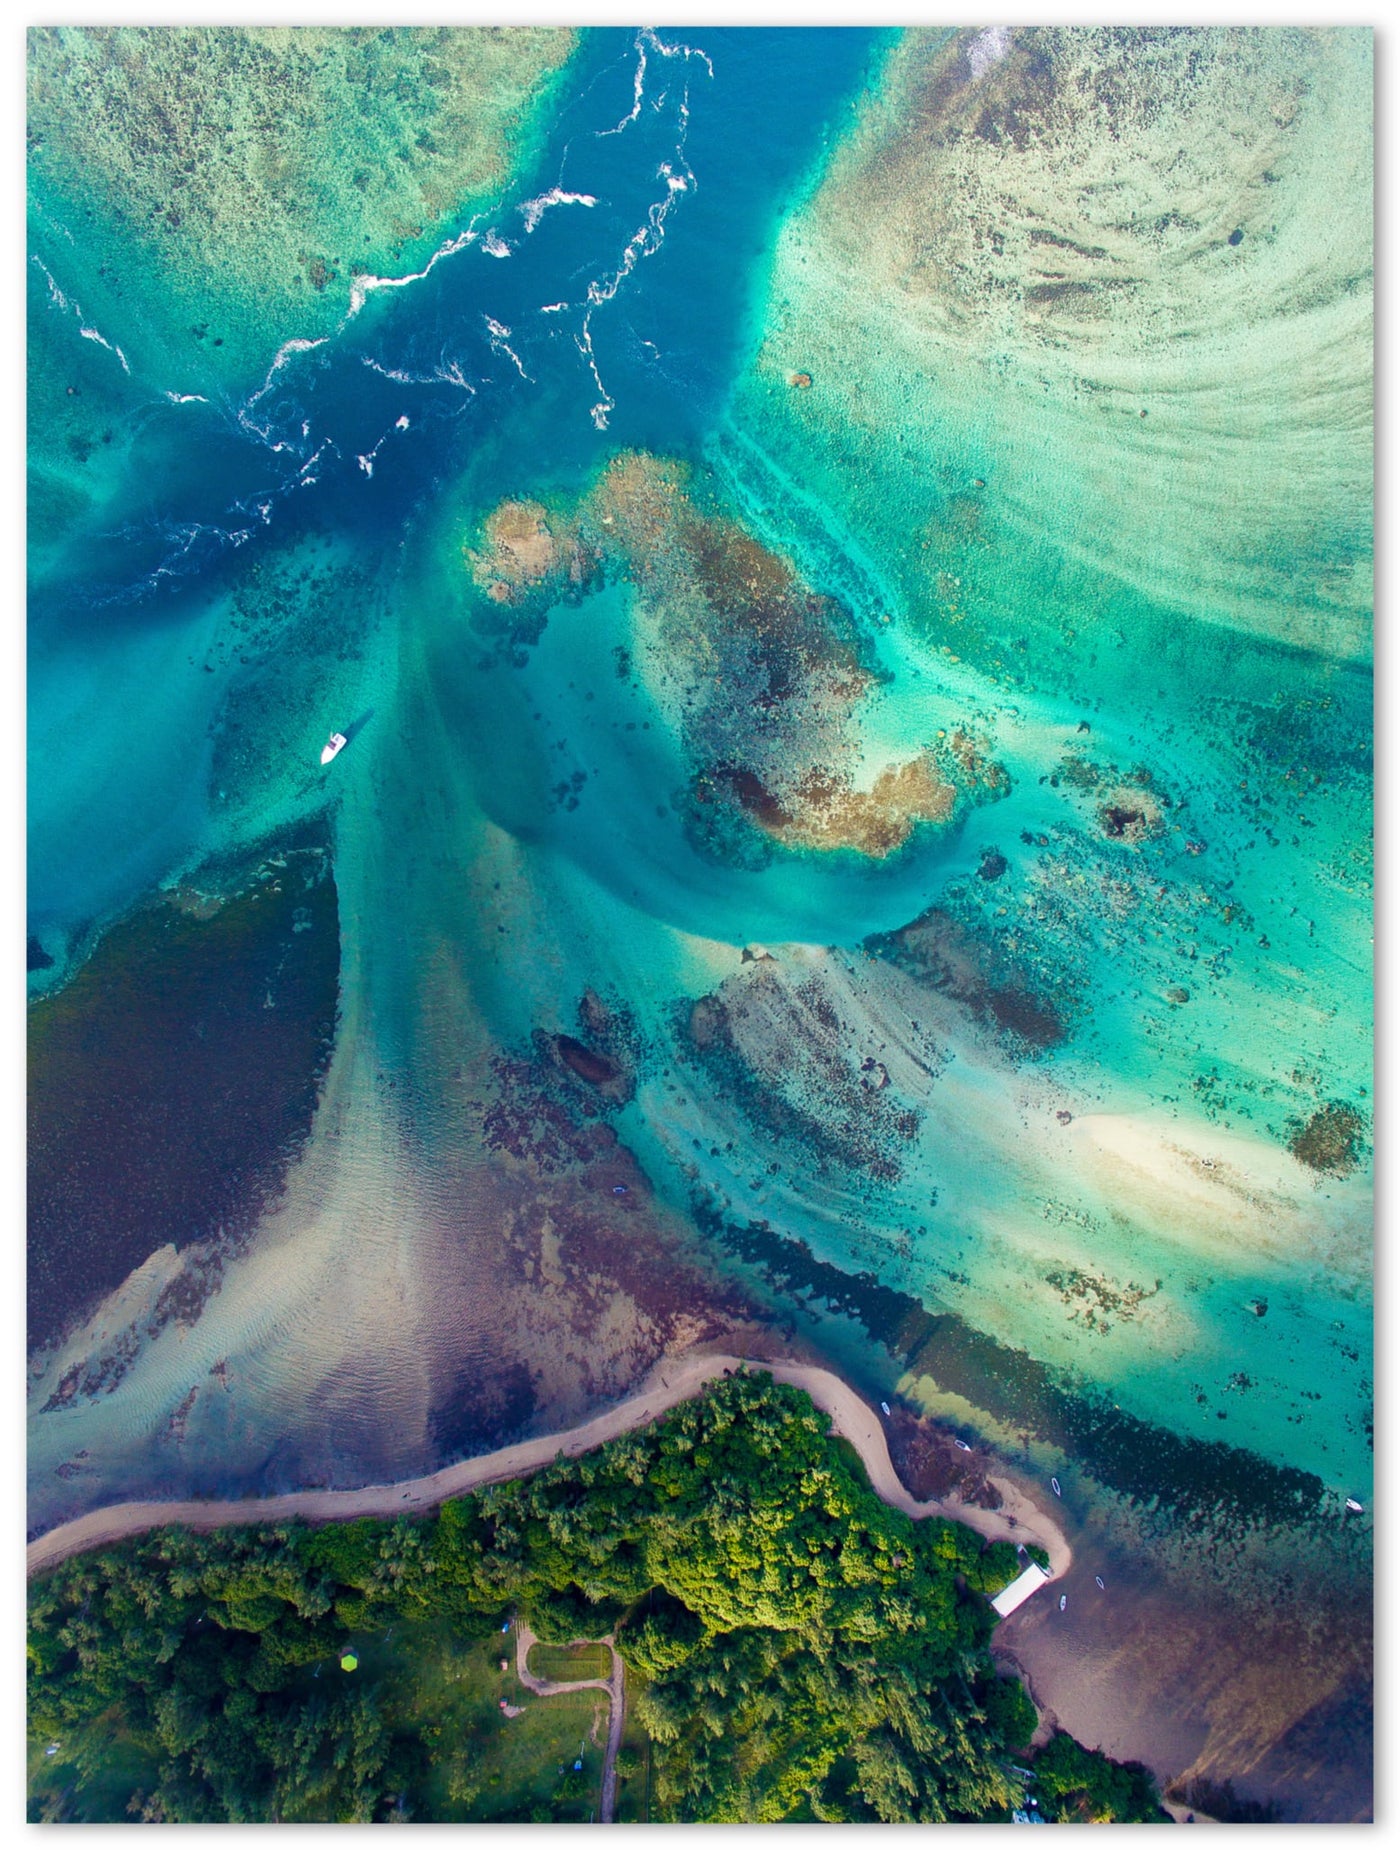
[1061, 1033]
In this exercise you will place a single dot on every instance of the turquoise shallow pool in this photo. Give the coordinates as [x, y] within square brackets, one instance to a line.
[859, 760]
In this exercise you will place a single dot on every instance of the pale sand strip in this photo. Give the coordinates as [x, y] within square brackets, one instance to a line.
[1018, 1520]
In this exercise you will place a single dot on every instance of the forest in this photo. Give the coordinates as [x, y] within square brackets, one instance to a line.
[794, 1649]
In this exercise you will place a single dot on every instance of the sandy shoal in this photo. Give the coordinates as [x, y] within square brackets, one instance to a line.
[1018, 1520]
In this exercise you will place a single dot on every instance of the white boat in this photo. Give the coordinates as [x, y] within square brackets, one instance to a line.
[1353, 1505]
[1055, 1485]
[334, 744]
[1064, 1601]
[1098, 1582]
[885, 1408]
[962, 1445]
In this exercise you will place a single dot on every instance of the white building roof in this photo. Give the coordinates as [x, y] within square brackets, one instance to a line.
[1020, 1590]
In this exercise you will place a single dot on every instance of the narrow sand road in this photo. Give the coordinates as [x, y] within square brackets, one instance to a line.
[613, 1687]
[1018, 1520]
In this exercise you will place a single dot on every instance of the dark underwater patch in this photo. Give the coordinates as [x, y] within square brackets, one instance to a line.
[960, 958]
[1144, 1463]
[1329, 1140]
[482, 1410]
[173, 1079]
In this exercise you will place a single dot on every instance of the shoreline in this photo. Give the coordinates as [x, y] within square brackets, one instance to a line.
[1019, 1520]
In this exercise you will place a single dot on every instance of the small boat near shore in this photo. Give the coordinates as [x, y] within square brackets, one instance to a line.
[1354, 1506]
[1064, 1601]
[1055, 1485]
[333, 746]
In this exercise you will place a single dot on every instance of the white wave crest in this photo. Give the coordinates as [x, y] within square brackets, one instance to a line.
[363, 285]
[649, 236]
[445, 373]
[645, 40]
[534, 210]
[56, 295]
[66, 305]
[280, 359]
[496, 246]
[500, 343]
[102, 341]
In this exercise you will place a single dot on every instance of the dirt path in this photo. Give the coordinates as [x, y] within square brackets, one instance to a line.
[613, 1686]
[1018, 1520]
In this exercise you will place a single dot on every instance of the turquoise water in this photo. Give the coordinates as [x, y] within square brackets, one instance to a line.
[951, 849]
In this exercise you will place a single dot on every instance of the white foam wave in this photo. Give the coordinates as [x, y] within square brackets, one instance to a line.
[534, 210]
[363, 285]
[646, 40]
[56, 295]
[500, 343]
[496, 246]
[638, 90]
[646, 240]
[280, 359]
[366, 461]
[102, 341]
[392, 372]
[66, 305]
[314, 458]
[450, 373]
[678, 50]
[445, 373]
[648, 237]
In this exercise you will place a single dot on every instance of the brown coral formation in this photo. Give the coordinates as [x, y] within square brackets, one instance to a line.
[830, 813]
[761, 673]
[523, 550]
[1130, 814]
[939, 950]
[1329, 1140]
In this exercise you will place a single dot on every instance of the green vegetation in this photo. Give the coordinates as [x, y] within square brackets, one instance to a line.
[633, 1795]
[799, 1650]
[1078, 1785]
[562, 1664]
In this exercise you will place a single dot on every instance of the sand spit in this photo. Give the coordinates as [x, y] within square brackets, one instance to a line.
[1018, 1519]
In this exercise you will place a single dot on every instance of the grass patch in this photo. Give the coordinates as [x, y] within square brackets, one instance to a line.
[572, 1663]
[484, 1765]
[633, 1756]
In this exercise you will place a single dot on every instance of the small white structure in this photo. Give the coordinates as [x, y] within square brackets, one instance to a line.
[1020, 1590]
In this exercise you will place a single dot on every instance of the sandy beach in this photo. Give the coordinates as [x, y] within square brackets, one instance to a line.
[1018, 1520]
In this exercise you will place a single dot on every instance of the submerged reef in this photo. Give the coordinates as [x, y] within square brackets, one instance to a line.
[841, 564]
[761, 676]
[259, 170]
[1099, 293]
